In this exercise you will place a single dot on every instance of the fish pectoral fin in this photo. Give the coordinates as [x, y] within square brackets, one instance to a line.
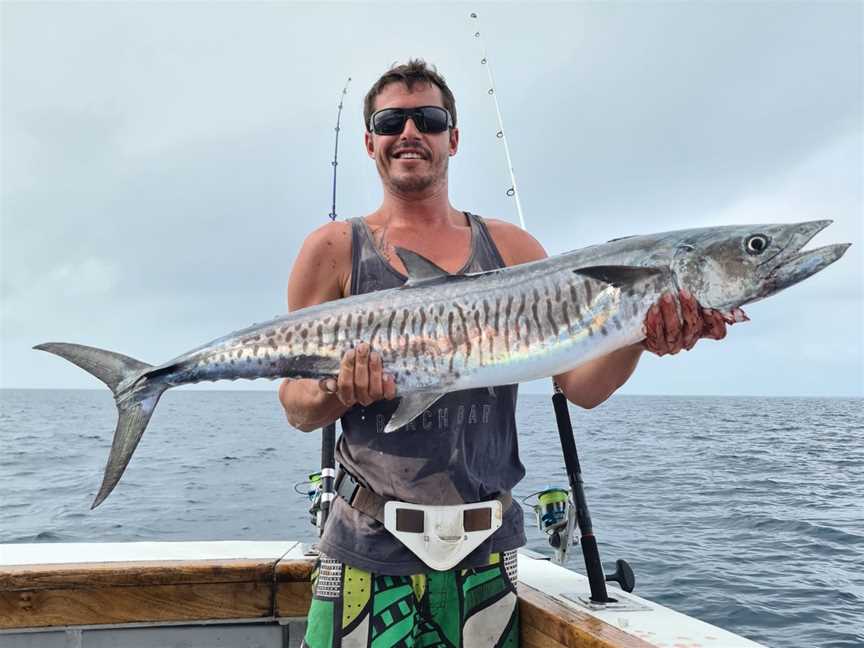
[619, 275]
[410, 407]
[420, 269]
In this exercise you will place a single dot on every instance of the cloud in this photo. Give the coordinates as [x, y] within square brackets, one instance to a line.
[162, 163]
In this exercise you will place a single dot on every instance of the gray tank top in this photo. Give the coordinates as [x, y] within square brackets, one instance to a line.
[462, 449]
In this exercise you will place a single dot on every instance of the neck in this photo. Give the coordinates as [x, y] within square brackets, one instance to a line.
[430, 208]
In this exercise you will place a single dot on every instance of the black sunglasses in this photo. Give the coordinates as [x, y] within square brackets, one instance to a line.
[427, 119]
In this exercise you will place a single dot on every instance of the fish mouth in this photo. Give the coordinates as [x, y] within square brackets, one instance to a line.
[795, 264]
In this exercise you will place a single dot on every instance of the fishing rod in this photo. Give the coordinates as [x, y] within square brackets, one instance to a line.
[623, 574]
[512, 191]
[328, 432]
[559, 512]
[335, 162]
[321, 485]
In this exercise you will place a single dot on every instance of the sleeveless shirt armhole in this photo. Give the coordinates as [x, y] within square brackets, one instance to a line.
[355, 253]
[484, 232]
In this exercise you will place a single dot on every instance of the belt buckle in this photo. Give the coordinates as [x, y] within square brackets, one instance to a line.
[352, 485]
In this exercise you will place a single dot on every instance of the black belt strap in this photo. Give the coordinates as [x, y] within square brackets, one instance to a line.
[372, 504]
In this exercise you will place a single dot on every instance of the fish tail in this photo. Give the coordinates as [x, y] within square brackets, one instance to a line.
[134, 395]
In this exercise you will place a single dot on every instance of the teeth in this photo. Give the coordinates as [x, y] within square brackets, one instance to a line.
[409, 156]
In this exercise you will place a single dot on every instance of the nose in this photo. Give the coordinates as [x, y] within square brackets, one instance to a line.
[410, 131]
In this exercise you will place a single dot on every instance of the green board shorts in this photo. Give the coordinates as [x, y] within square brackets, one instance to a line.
[470, 608]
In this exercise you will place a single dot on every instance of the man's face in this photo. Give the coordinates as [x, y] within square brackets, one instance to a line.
[411, 162]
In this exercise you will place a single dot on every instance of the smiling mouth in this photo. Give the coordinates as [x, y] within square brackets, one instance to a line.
[408, 155]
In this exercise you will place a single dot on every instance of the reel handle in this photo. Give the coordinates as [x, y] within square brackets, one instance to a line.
[623, 575]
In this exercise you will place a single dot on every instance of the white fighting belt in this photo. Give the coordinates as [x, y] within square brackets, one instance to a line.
[441, 536]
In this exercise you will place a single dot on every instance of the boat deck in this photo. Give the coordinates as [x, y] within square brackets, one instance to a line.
[256, 594]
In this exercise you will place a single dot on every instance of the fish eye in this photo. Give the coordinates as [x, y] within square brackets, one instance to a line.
[757, 244]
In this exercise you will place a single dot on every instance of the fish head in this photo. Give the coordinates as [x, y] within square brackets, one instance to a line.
[725, 268]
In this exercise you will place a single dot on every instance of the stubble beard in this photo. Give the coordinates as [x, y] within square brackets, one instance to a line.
[415, 183]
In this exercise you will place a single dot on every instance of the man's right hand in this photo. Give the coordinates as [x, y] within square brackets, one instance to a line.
[361, 378]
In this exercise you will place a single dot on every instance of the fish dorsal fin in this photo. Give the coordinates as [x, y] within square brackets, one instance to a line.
[619, 275]
[410, 407]
[420, 269]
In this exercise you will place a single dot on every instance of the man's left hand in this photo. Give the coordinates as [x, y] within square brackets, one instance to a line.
[667, 334]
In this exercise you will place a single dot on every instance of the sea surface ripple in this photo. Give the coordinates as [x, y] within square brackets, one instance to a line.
[747, 513]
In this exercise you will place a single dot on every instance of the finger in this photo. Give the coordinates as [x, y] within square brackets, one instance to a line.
[719, 327]
[345, 381]
[376, 390]
[389, 386]
[361, 374]
[655, 340]
[328, 385]
[693, 323]
[654, 348]
[715, 325]
[671, 323]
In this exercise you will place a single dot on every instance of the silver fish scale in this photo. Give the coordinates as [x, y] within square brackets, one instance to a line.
[457, 335]
[497, 327]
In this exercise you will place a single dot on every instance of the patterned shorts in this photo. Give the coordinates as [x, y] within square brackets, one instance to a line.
[474, 608]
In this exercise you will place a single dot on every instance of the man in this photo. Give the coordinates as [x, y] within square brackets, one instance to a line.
[370, 586]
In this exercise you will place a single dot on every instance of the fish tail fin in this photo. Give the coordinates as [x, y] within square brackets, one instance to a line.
[134, 395]
[109, 367]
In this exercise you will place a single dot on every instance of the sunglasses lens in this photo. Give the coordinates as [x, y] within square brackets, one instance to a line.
[388, 121]
[434, 119]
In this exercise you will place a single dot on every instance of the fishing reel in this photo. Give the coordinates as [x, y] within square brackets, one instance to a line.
[556, 517]
[311, 488]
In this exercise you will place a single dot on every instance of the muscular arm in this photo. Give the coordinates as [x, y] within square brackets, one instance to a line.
[593, 382]
[320, 274]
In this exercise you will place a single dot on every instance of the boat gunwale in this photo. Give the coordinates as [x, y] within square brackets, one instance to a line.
[98, 586]
[280, 587]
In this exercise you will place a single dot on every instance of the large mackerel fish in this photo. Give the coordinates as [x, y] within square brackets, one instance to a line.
[440, 333]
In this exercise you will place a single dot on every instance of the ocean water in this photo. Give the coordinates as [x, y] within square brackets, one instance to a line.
[745, 512]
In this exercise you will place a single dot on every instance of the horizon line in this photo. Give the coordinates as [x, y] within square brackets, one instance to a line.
[532, 393]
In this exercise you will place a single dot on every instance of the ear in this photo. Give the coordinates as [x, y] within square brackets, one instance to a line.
[370, 144]
[454, 141]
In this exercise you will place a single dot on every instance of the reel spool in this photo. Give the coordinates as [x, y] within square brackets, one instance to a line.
[551, 509]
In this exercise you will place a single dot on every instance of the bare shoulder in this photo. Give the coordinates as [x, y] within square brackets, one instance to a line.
[331, 238]
[323, 266]
[515, 244]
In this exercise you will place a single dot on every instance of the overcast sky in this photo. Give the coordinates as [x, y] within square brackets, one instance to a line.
[162, 163]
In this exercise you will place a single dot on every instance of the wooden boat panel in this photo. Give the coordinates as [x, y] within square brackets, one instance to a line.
[34, 596]
[294, 570]
[148, 603]
[549, 624]
[531, 637]
[293, 590]
[122, 574]
[293, 599]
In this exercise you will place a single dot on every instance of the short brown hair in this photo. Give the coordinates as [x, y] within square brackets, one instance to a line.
[414, 71]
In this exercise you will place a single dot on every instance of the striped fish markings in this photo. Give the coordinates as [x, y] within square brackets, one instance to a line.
[441, 333]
